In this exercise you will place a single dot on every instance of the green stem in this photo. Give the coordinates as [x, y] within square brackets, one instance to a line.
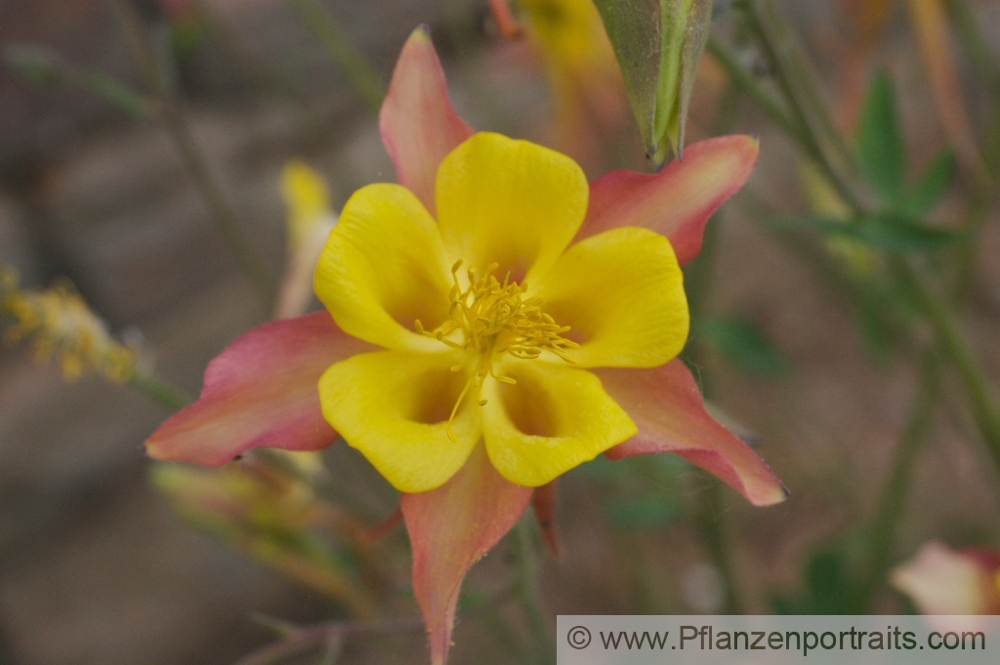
[338, 45]
[159, 391]
[797, 79]
[256, 67]
[41, 66]
[527, 592]
[815, 132]
[956, 347]
[977, 47]
[323, 485]
[710, 524]
[746, 83]
[197, 168]
[777, 42]
[882, 531]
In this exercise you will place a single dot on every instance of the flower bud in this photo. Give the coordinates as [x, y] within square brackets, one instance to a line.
[658, 44]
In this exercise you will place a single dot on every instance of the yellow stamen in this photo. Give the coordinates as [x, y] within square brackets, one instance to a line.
[495, 318]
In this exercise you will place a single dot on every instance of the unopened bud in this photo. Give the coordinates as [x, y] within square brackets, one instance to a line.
[658, 44]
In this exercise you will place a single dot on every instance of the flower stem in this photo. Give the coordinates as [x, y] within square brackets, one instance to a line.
[881, 532]
[338, 45]
[712, 527]
[745, 82]
[528, 595]
[270, 76]
[984, 401]
[818, 134]
[42, 66]
[175, 121]
[801, 93]
[159, 391]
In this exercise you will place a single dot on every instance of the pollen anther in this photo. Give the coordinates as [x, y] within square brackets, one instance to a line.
[495, 318]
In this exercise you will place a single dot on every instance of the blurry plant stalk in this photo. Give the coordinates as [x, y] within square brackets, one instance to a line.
[658, 44]
[60, 324]
[809, 123]
[275, 517]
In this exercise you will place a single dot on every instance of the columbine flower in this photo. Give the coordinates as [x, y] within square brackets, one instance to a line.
[492, 322]
[941, 581]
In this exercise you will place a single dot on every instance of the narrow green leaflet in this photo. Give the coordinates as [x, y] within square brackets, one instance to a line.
[932, 185]
[882, 156]
[658, 44]
[898, 234]
[890, 232]
[880, 143]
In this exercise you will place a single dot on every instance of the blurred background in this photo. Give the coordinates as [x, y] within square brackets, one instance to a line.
[94, 565]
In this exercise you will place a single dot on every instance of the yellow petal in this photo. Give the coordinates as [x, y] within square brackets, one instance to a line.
[384, 267]
[552, 419]
[509, 202]
[394, 407]
[622, 294]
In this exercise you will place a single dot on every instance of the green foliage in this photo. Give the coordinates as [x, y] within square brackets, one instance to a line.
[743, 344]
[829, 587]
[882, 157]
[41, 67]
[880, 145]
[642, 512]
[642, 492]
[932, 185]
[890, 232]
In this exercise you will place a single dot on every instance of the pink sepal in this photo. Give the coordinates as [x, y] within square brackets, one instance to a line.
[677, 201]
[418, 124]
[259, 392]
[669, 411]
[450, 529]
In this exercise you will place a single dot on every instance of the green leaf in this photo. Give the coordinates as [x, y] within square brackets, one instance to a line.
[642, 512]
[933, 184]
[658, 44]
[744, 345]
[899, 234]
[828, 589]
[880, 144]
[829, 585]
[890, 232]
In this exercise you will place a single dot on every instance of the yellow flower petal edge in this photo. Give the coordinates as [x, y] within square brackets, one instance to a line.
[394, 407]
[383, 268]
[621, 293]
[551, 420]
[509, 202]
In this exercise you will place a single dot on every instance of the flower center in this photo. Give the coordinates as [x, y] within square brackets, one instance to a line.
[495, 318]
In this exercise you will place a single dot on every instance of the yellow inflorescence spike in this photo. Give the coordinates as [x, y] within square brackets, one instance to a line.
[59, 324]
